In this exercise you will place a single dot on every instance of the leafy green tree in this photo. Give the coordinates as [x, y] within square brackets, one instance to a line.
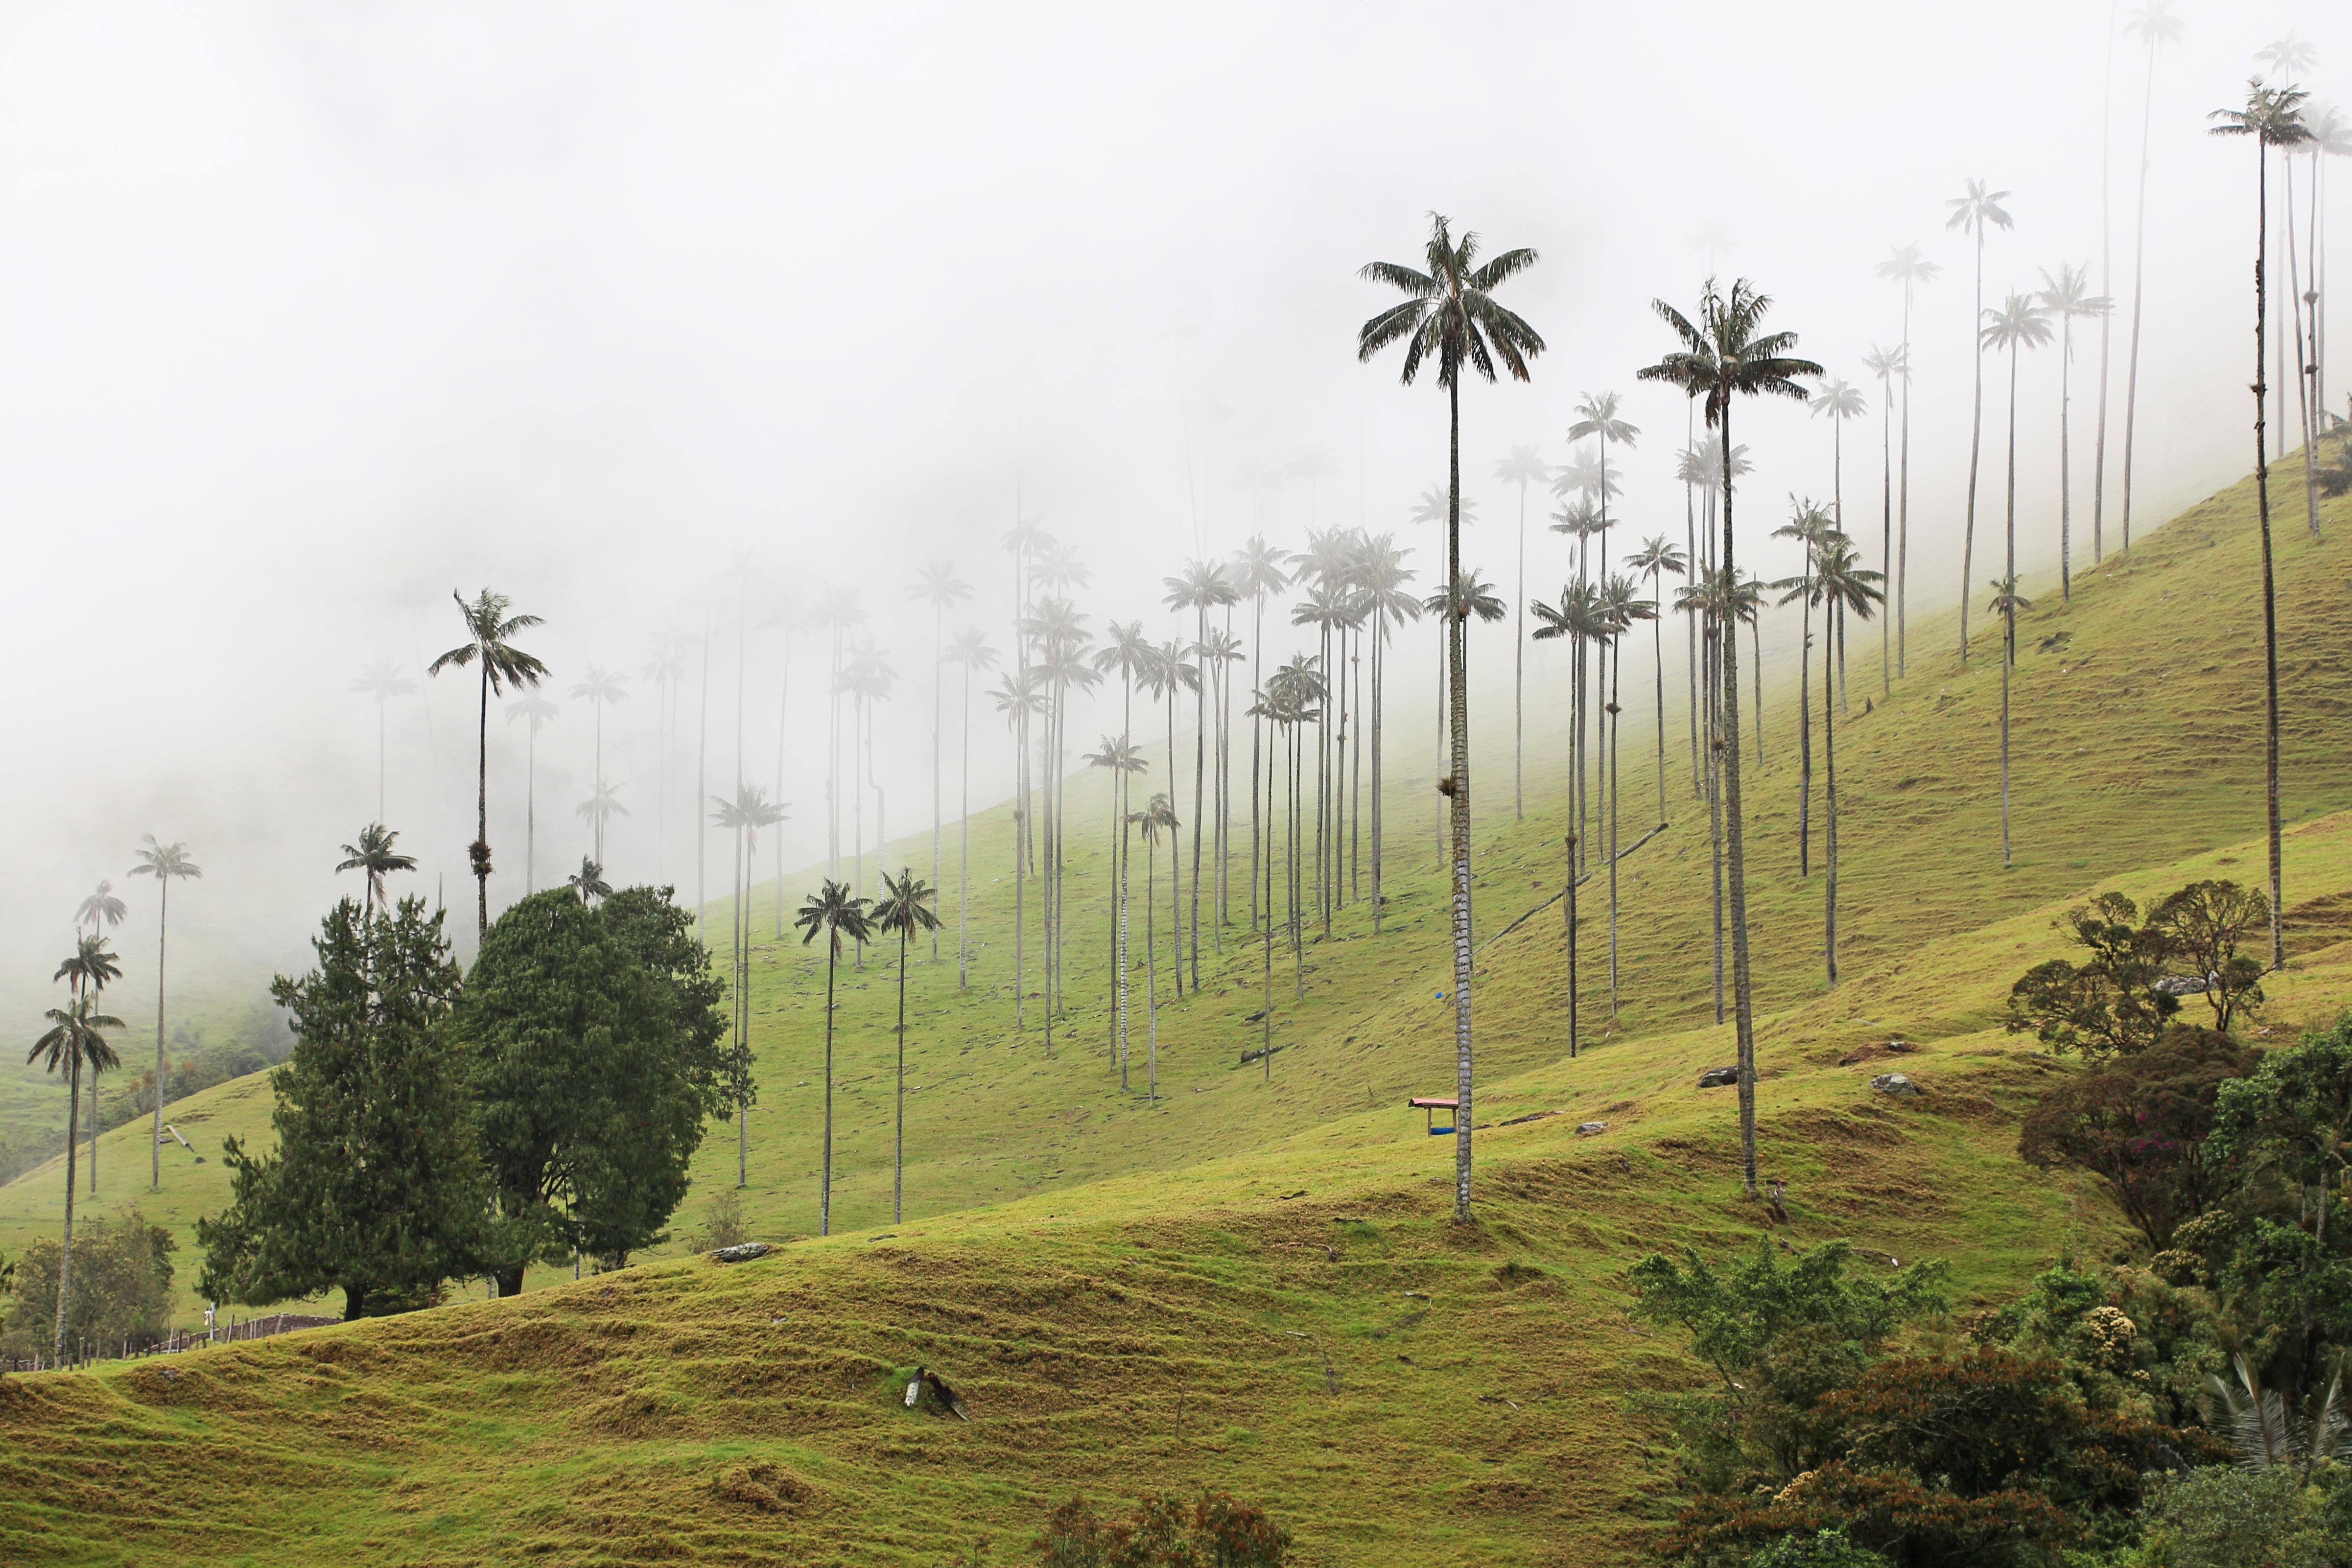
[2200, 927]
[2106, 1005]
[1450, 315]
[1725, 355]
[375, 1188]
[833, 912]
[1780, 1336]
[1216, 1531]
[905, 909]
[2273, 117]
[1831, 1548]
[2220, 1516]
[122, 1288]
[597, 1058]
[75, 1040]
[2138, 1125]
[488, 630]
[166, 863]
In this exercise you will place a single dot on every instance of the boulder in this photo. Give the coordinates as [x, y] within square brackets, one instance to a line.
[741, 1252]
[2180, 986]
[1895, 1083]
[1719, 1078]
[1586, 1129]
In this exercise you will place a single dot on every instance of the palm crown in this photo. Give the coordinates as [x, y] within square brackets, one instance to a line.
[164, 861]
[1979, 206]
[832, 909]
[374, 857]
[2018, 323]
[906, 905]
[489, 629]
[2274, 114]
[1449, 313]
[89, 967]
[1724, 355]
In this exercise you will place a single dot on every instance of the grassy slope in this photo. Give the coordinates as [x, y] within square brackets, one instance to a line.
[656, 1391]
[2136, 743]
[686, 1410]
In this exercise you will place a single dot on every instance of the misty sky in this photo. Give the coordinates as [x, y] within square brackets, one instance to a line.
[314, 312]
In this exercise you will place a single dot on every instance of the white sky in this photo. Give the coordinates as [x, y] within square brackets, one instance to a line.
[311, 312]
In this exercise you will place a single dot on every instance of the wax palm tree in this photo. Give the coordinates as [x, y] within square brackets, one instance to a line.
[1840, 400]
[666, 670]
[1154, 820]
[1706, 602]
[1120, 758]
[1725, 355]
[75, 1042]
[1217, 654]
[2283, 61]
[1200, 587]
[1257, 570]
[969, 649]
[1889, 366]
[603, 806]
[836, 911]
[2156, 26]
[1656, 558]
[537, 710]
[489, 631]
[1576, 618]
[1846, 588]
[1298, 688]
[1809, 525]
[2006, 603]
[602, 689]
[2068, 298]
[1619, 607]
[374, 858]
[1972, 213]
[166, 863]
[1382, 580]
[743, 816]
[100, 909]
[2273, 117]
[1020, 696]
[1523, 468]
[905, 909]
[1581, 520]
[1450, 315]
[383, 681]
[938, 586]
[589, 882]
[1907, 267]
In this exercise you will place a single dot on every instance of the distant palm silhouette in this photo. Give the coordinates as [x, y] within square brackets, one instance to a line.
[1972, 212]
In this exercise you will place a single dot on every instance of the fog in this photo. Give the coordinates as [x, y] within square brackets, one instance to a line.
[315, 312]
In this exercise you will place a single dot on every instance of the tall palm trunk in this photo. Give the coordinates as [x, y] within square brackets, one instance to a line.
[2305, 430]
[2270, 591]
[481, 850]
[1175, 862]
[2106, 289]
[702, 784]
[1616, 656]
[938, 694]
[2008, 603]
[1804, 726]
[2065, 469]
[898, 1134]
[1658, 660]
[742, 1007]
[825, 1180]
[2140, 265]
[964, 841]
[1975, 436]
[1379, 637]
[65, 1255]
[1887, 532]
[1258, 721]
[1568, 918]
[1520, 668]
[1200, 773]
[1459, 798]
[163, 938]
[1743, 1009]
[1836, 619]
[1903, 506]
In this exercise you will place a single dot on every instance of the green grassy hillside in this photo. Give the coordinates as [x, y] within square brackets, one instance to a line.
[1228, 1285]
[1299, 1321]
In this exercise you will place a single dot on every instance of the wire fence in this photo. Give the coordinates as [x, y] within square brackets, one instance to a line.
[132, 1347]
